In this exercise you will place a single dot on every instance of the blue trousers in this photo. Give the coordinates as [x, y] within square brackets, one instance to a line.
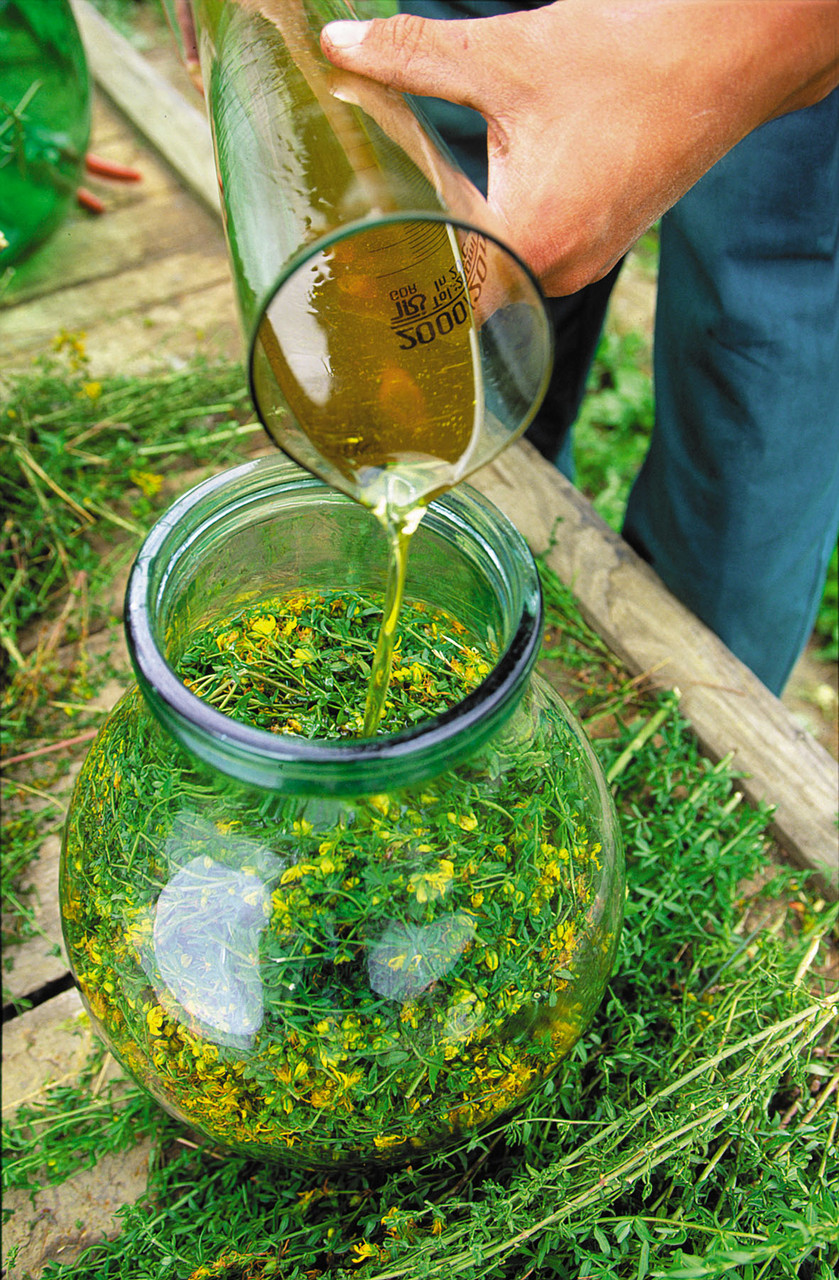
[736, 505]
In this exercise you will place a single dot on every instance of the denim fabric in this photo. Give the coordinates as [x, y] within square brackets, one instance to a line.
[737, 503]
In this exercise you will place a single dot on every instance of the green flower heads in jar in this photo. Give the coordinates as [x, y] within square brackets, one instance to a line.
[338, 974]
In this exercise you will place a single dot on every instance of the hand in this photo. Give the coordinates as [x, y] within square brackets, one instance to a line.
[602, 113]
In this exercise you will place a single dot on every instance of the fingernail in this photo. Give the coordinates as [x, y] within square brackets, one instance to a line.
[346, 35]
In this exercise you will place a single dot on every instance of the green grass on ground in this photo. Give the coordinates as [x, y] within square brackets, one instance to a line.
[691, 1133]
[85, 468]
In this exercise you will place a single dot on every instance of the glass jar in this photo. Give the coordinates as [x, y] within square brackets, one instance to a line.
[338, 952]
[44, 122]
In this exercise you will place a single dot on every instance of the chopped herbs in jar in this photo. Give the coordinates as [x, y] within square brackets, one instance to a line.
[339, 980]
[301, 664]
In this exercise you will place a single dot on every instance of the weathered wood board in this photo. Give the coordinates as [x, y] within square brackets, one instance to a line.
[651, 631]
[148, 282]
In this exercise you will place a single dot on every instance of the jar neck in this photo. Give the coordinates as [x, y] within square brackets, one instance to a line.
[267, 528]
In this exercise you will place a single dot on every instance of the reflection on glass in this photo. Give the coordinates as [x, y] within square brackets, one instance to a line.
[408, 959]
[202, 955]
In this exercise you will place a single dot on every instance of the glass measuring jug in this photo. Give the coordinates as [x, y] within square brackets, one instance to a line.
[395, 343]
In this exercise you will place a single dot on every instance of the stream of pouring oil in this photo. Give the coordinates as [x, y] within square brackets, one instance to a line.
[394, 414]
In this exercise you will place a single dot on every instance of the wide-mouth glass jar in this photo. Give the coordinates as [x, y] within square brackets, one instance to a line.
[338, 952]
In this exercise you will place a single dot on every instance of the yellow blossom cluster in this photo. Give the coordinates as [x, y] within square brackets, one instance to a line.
[433, 884]
[499, 1083]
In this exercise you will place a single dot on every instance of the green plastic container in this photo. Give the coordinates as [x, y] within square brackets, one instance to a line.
[44, 121]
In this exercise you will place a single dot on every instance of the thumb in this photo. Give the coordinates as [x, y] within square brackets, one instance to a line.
[415, 55]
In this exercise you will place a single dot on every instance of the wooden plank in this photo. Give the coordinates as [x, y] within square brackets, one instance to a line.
[627, 604]
[148, 282]
[82, 251]
[41, 958]
[31, 326]
[651, 631]
[177, 129]
[58, 1221]
[170, 331]
[43, 1046]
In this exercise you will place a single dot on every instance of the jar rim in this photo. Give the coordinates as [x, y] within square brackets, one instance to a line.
[283, 761]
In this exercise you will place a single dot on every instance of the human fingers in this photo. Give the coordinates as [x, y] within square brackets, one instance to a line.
[460, 61]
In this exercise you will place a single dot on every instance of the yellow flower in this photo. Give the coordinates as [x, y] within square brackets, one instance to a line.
[466, 821]
[154, 1018]
[265, 625]
[410, 1013]
[346, 1082]
[562, 937]
[93, 391]
[74, 344]
[297, 872]
[296, 604]
[147, 482]
[384, 1142]
[563, 1034]
[364, 1249]
[434, 884]
[92, 950]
